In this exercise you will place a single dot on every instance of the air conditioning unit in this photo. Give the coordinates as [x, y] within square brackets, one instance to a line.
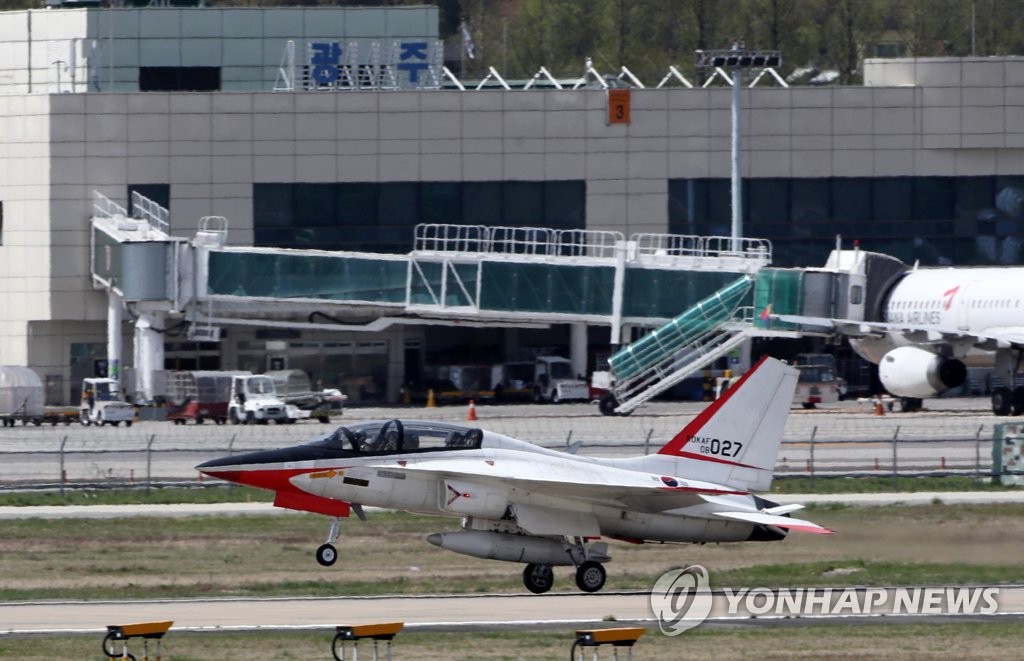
[205, 333]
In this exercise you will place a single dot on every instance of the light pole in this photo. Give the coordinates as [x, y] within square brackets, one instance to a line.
[736, 59]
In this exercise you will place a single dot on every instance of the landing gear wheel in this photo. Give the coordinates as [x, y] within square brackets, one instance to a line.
[538, 579]
[590, 576]
[1018, 401]
[910, 404]
[326, 555]
[1002, 401]
[606, 405]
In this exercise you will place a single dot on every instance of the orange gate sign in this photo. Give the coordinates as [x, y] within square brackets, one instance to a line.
[618, 106]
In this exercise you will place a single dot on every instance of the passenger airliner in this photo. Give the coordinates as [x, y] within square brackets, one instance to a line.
[934, 323]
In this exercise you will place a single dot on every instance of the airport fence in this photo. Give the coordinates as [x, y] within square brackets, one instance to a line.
[62, 458]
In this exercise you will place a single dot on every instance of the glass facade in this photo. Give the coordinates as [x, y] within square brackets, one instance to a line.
[307, 276]
[934, 220]
[380, 217]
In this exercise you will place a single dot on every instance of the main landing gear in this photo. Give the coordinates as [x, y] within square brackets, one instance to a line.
[590, 577]
[590, 573]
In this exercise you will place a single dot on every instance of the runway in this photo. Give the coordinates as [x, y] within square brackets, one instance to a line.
[425, 612]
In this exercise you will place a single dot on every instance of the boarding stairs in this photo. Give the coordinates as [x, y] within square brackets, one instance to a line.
[707, 331]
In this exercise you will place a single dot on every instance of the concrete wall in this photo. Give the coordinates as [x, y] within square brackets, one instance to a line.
[102, 49]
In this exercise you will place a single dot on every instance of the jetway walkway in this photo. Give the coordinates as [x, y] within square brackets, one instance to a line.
[465, 272]
[454, 275]
[661, 359]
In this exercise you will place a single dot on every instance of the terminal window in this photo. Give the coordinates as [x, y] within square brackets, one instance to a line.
[380, 217]
[933, 220]
[180, 79]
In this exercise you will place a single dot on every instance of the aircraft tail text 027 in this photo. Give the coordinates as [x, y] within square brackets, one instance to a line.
[735, 441]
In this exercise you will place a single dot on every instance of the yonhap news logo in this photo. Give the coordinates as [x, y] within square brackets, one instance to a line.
[810, 602]
[682, 599]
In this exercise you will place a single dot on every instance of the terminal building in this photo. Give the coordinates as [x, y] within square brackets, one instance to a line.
[338, 129]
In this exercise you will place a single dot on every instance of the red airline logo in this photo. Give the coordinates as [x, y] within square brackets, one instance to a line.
[949, 294]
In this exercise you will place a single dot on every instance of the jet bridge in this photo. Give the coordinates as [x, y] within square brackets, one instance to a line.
[455, 275]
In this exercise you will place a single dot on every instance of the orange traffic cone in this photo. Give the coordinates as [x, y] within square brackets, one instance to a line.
[878, 406]
[471, 414]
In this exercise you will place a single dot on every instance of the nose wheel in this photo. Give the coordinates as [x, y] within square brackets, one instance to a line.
[326, 555]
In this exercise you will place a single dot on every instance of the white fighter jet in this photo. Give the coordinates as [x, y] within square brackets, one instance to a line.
[523, 503]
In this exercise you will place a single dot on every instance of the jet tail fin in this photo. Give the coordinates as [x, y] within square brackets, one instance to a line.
[735, 441]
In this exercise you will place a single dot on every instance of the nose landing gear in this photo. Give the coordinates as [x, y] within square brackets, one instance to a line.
[326, 554]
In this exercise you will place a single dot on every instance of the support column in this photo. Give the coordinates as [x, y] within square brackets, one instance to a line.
[396, 364]
[622, 250]
[149, 351]
[115, 315]
[578, 348]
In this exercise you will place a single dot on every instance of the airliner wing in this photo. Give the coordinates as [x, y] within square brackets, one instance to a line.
[1002, 337]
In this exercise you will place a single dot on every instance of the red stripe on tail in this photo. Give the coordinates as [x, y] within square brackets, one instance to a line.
[676, 445]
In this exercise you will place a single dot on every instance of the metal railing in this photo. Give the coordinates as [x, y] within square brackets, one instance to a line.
[69, 458]
[661, 247]
[531, 241]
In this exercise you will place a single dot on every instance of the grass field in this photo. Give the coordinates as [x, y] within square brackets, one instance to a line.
[272, 555]
[861, 640]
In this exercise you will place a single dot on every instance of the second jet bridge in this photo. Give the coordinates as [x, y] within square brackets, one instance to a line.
[852, 286]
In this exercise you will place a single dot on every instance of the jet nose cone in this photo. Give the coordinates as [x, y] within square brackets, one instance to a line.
[435, 538]
[221, 462]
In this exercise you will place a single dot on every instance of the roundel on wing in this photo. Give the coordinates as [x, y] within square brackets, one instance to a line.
[670, 481]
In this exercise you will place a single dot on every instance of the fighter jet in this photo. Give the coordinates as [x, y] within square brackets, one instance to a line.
[541, 507]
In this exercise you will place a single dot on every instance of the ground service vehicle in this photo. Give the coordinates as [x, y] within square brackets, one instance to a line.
[512, 381]
[21, 399]
[818, 382]
[302, 402]
[555, 381]
[199, 396]
[103, 403]
[254, 400]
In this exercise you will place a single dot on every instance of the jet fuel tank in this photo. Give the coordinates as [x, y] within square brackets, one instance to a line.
[512, 548]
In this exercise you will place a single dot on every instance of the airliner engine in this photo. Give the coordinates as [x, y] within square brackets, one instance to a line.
[913, 372]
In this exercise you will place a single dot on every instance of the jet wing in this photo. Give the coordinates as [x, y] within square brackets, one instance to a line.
[572, 481]
[1003, 337]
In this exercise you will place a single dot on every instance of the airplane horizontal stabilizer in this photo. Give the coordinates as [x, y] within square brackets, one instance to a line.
[761, 518]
